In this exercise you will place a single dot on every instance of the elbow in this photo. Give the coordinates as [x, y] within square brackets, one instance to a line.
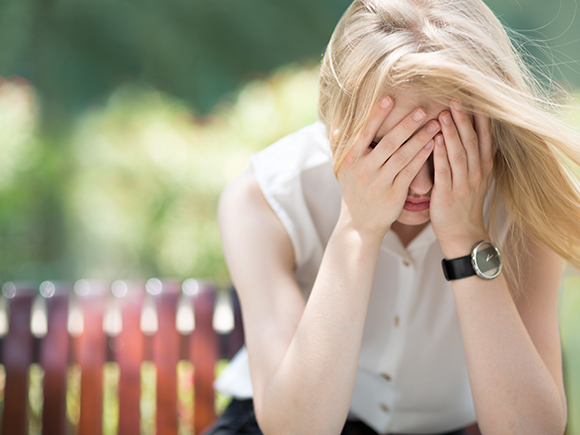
[554, 427]
[271, 423]
[281, 429]
[562, 422]
[556, 420]
[544, 417]
[277, 422]
[552, 421]
[271, 420]
[549, 423]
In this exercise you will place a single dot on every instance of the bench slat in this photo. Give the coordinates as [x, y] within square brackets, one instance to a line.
[130, 345]
[18, 349]
[54, 354]
[203, 354]
[91, 355]
[166, 345]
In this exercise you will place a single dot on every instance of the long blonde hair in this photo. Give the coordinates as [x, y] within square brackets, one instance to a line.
[458, 49]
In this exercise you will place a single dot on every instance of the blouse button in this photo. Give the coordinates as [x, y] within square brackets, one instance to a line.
[397, 321]
[406, 263]
[386, 376]
[384, 407]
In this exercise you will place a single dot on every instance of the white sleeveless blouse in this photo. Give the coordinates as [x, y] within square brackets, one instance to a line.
[412, 375]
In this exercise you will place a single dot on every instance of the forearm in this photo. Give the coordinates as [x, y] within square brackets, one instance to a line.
[511, 362]
[513, 390]
[311, 390]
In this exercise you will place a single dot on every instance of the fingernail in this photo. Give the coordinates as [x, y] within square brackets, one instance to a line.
[457, 105]
[432, 127]
[386, 102]
[419, 115]
[446, 119]
[429, 145]
[439, 140]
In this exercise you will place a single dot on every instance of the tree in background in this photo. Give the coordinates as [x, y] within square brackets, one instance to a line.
[77, 52]
[143, 178]
[114, 149]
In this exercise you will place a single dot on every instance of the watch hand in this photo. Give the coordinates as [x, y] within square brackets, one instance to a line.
[489, 257]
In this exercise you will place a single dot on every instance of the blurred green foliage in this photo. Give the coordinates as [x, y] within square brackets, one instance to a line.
[148, 176]
[77, 52]
[114, 150]
[138, 185]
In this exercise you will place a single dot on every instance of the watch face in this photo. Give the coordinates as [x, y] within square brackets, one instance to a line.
[487, 261]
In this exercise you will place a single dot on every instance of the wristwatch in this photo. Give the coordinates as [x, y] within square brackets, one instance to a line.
[484, 261]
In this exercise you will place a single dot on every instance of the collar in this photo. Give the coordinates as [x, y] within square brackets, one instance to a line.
[392, 243]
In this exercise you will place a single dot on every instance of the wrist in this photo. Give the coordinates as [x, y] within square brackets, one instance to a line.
[462, 246]
[366, 237]
[366, 230]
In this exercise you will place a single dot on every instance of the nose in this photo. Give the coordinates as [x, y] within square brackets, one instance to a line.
[423, 181]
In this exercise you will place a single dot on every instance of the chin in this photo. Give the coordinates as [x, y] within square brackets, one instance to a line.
[413, 218]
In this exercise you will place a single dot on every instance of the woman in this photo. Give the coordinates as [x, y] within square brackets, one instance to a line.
[432, 140]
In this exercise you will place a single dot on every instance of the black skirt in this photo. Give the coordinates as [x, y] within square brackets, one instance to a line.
[239, 418]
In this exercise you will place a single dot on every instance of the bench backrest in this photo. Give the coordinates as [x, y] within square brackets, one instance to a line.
[128, 323]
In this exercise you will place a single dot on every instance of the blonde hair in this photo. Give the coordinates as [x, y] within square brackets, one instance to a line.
[458, 49]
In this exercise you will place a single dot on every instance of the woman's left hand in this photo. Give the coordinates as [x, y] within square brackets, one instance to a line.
[463, 162]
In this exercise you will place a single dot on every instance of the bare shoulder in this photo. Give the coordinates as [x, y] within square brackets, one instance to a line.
[244, 191]
[247, 221]
[241, 191]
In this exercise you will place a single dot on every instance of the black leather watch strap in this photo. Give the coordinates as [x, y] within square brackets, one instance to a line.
[457, 268]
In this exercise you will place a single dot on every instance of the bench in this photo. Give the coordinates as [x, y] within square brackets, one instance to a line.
[58, 327]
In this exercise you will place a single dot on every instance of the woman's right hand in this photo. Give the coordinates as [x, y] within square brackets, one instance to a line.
[375, 182]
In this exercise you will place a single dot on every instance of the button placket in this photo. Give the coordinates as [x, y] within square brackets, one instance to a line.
[392, 356]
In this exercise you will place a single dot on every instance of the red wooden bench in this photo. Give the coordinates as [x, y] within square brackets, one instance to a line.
[164, 322]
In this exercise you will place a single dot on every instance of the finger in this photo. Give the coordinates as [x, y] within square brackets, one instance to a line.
[441, 165]
[398, 135]
[378, 116]
[483, 129]
[407, 174]
[407, 152]
[468, 136]
[455, 151]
